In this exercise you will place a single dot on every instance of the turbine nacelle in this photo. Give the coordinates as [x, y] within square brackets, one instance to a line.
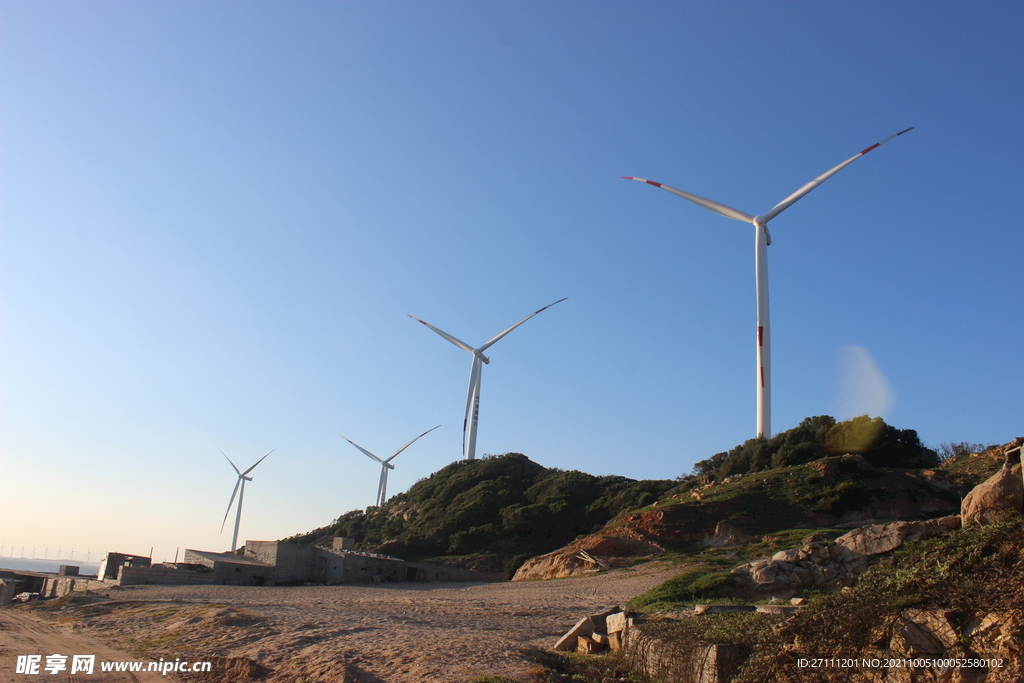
[482, 357]
[762, 223]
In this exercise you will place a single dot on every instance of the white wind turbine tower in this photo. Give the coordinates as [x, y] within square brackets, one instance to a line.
[761, 241]
[469, 422]
[240, 490]
[385, 465]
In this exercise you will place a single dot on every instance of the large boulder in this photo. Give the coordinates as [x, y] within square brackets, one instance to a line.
[998, 498]
[876, 539]
[615, 551]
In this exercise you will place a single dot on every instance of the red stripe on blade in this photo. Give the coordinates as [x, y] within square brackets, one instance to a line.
[762, 378]
[760, 336]
[871, 148]
[651, 182]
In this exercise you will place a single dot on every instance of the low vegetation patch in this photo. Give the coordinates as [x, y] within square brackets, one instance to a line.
[700, 582]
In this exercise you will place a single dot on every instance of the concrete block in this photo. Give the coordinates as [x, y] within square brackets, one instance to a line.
[616, 622]
[588, 645]
[567, 643]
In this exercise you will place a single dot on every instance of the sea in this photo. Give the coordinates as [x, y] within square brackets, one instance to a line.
[32, 565]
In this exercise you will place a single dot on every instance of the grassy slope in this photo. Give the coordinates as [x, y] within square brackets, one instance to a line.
[783, 506]
[971, 573]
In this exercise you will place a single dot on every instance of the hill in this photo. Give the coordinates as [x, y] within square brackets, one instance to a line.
[495, 513]
[490, 514]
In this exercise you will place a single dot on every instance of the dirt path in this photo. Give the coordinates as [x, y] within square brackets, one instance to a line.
[391, 633]
[24, 634]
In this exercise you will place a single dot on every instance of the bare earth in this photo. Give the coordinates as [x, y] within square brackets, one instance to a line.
[390, 633]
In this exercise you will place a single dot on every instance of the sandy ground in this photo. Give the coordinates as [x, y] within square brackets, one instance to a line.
[391, 633]
[22, 634]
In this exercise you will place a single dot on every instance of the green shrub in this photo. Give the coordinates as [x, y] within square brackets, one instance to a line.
[703, 582]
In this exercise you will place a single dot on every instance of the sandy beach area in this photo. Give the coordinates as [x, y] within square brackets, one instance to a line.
[390, 633]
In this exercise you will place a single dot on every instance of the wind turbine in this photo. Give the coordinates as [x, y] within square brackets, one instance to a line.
[469, 422]
[240, 483]
[761, 241]
[386, 465]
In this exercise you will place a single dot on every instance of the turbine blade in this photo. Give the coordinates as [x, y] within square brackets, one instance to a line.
[230, 503]
[237, 471]
[391, 457]
[257, 463]
[502, 334]
[366, 452]
[793, 198]
[461, 344]
[708, 204]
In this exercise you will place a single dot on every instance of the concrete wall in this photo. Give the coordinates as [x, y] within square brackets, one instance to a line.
[111, 562]
[291, 562]
[8, 589]
[59, 586]
[438, 572]
[222, 573]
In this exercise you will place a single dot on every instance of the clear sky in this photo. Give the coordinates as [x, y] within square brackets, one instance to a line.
[215, 218]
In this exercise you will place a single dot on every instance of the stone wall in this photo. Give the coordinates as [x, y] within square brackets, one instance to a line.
[59, 586]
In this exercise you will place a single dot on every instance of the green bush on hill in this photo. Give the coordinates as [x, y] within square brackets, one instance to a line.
[507, 507]
[817, 437]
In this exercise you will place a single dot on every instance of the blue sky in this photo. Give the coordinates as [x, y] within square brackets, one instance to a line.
[216, 217]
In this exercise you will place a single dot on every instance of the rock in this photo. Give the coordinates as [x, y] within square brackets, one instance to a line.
[778, 609]
[914, 640]
[876, 539]
[832, 566]
[827, 468]
[588, 645]
[615, 622]
[819, 537]
[999, 497]
[584, 627]
[791, 555]
[937, 622]
[727, 536]
[722, 609]
[566, 561]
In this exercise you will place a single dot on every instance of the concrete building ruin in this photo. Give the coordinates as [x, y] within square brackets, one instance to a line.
[269, 563]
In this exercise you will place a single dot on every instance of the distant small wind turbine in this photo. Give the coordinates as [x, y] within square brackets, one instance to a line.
[469, 422]
[386, 465]
[761, 241]
[239, 484]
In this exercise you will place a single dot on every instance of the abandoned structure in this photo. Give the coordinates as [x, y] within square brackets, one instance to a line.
[268, 563]
[112, 562]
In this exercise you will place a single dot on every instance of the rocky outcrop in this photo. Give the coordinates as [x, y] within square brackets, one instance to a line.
[727, 536]
[832, 565]
[877, 539]
[1001, 496]
[572, 560]
[828, 468]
